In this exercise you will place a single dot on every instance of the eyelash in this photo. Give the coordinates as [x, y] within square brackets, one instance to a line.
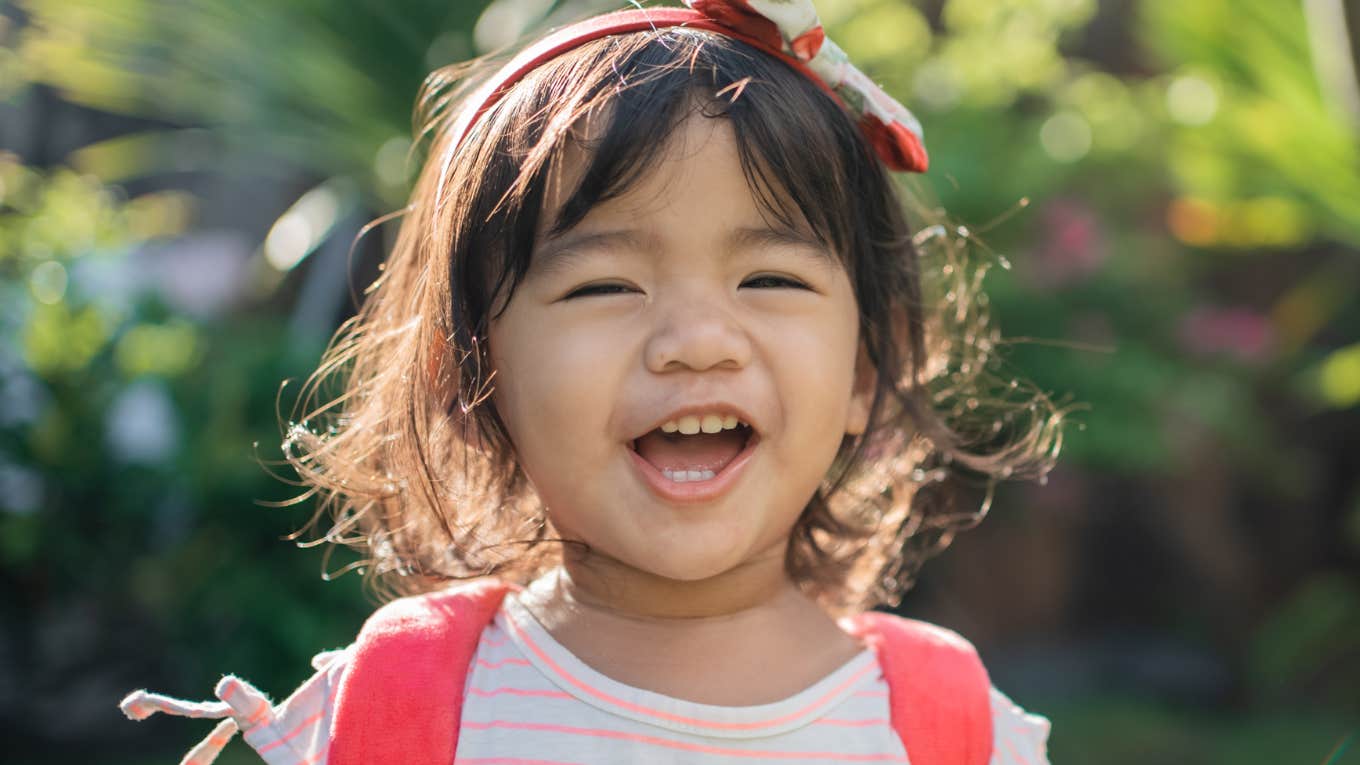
[592, 290]
[597, 289]
[782, 281]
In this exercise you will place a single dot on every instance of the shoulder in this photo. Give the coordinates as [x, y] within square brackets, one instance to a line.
[920, 654]
[875, 626]
[298, 730]
[410, 651]
[410, 641]
[464, 606]
[926, 664]
[1020, 737]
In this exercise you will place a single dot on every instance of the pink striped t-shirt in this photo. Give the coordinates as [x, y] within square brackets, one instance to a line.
[529, 701]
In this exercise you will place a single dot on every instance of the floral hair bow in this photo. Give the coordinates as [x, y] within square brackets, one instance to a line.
[787, 29]
[793, 28]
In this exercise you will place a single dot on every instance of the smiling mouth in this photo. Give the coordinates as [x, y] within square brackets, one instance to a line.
[692, 458]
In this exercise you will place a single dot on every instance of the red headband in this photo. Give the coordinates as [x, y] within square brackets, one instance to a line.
[890, 128]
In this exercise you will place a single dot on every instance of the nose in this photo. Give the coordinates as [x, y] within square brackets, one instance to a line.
[696, 334]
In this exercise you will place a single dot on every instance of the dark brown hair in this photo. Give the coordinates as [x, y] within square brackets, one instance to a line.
[409, 455]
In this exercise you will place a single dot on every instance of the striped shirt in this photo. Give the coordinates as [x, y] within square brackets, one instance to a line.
[529, 701]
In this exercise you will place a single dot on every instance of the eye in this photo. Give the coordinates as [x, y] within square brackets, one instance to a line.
[598, 289]
[770, 281]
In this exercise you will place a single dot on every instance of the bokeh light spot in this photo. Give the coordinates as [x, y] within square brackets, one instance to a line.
[1191, 100]
[159, 215]
[390, 162]
[505, 21]
[1272, 221]
[937, 85]
[288, 241]
[1066, 136]
[1267, 221]
[1193, 221]
[304, 226]
[1339, 377]
[57, 340]
[446, 49]
[47, 282]
[141, 424]
[886, 32]
[152, 349]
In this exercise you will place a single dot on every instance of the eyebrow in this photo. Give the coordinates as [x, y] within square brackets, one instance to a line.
[769, 236]
[559, 250]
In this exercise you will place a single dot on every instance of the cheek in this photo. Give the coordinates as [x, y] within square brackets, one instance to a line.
[818, 365]
[550, 383]
[517, 361]
[812, 375]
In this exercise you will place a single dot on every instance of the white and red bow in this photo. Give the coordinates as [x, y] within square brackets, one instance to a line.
[793, 27]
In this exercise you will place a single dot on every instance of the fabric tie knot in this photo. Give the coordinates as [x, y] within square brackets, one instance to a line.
[793, 28]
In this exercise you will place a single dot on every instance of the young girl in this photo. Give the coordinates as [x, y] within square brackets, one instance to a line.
[653, 364]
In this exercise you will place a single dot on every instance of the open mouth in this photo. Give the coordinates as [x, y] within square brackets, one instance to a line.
[695, 457]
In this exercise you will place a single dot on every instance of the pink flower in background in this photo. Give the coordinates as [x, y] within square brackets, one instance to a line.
[1072, 244]
[1238, 332]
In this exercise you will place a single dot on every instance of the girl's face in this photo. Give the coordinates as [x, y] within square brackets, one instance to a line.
[679, 303]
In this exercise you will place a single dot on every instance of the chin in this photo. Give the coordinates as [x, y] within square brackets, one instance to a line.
[682, 563]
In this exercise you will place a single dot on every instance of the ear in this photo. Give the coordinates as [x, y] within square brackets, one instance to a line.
[861, 394]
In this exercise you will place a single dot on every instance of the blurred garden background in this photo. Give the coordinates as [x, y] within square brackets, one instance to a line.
[1175, 183]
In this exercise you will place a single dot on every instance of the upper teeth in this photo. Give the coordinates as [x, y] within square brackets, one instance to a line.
[709, 423]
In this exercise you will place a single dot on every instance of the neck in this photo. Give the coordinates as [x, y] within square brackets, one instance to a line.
[604, 585]
[652, 632]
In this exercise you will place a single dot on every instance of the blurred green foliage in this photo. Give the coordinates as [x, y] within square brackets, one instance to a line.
[129, 515]
[1126, 732]
[1177, 187]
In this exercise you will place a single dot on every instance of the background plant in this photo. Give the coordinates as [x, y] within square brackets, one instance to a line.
[1175, 184]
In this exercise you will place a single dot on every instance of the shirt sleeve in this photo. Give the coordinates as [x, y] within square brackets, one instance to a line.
[294, 732]
[1019, 737]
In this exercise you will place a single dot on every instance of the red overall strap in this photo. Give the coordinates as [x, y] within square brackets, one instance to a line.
[401, 694]
[938, 691]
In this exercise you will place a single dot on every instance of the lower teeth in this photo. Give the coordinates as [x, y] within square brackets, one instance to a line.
[685, 476]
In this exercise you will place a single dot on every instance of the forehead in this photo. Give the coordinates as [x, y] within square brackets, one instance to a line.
[694, 164]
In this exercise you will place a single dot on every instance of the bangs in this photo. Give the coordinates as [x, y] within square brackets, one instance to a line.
[619, 101]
